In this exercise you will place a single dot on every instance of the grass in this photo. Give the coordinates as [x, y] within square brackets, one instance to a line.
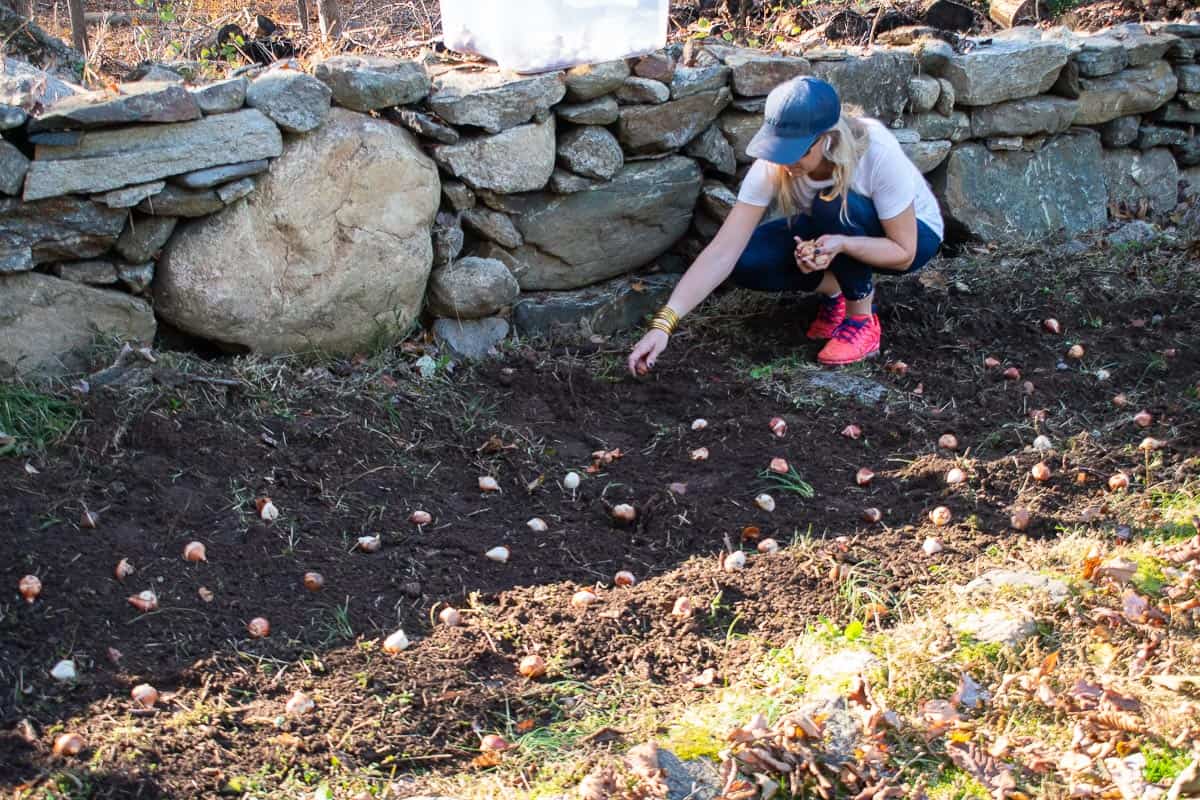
[35, 420]
[1163, 764]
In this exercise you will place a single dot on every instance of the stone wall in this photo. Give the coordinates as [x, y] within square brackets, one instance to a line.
[279, 211]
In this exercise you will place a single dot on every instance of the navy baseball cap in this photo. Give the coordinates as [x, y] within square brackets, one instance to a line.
[797, 112]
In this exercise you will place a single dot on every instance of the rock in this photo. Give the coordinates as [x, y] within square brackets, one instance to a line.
[1132, 91]
[1141, 45]
[232, 192]
[995, 196]
[927, 156]
[695, 779]
[221, 97]
[1183, 51]
[493, 100]
[739, 129]
[712, 148]
[1187, 76]
[643, 90]
[1151, 136]
[645, 130]
[644, 209]
[1004, 70]
[689, 81]
[27, 87]
[369, 83]
[1009, 628]
[56, 138]
[13, 166]
[520, 159]
[1189, 154]
[863, 391]
[425, 125]
[332, 248]
[471, 339]
[136, 278]
[564, 182]
[144, 236]
[876, 81]
[603, 309]
[1004, 143]
[590, 151]
[153, 72]
[130, 196]
[471, 288]
[60, 229]
[493, 225]
[12, 117]
[96, 273]
[956, 127]
[717, 199]
[1178, 113]
[756, 73]
[1131, 177]
[448, 239]
[1098, 56]
[458, 195]
[1136, 231]
[47, 324]
[751, 105]
[1005, 581]
[923, 93]
[947, 98]
[589, 81]
[601, 111]
[137, 103]
[1024, 117]
[655, 66]
[175, 201]
[110, 159]
[208, 178]
[1120, 132]
[296, 102]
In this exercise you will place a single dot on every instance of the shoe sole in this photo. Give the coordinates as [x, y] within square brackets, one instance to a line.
[845, 362]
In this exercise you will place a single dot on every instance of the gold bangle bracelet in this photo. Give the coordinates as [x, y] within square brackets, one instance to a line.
[661, 325]
[668, 313]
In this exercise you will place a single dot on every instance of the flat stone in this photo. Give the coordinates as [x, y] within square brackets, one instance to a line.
[48, 325]
[739, 128]
[208, 178]
[12, 261]
[129, 196]
[956, 127]
[175, 201]
[1132, 91]
[56, 138]
[601, 111]
[95, 273]
[643, 90]
[448, 238]
[1025, 117]
[153, 72]
[1189, 100]
[863, 391]
[1188, 155]
[997, 196]
[906, 135]
[714, 150]
[590, 151]
[876, 81]
[294, 101]
[458, 195]
[425, 125]
[689, 81]
[471, 288]
[1004, 70]
[589, 81]
[1143, 46]
[717, 199]
[136, 278]
[1098, 56]
[756, 74]
[564, 182]
[658, 66]
[1136, 231]
[1177, 114]
[645, 130]
[232, 192]
[471, 339]
[1120, 132]
[1187, 77]
[369, 83]
[1132, 177]
[1151, 136]
[520, 159]
[923, 92]
[58, 229]
[492, 225]
[144, 236]
[110, 159]
[13, 166]
[137, 103]
[493, 100]
[12, 117]
[928, 155]
[1183, 51]
[604, 309]
[221, 97]
[751, 105]
[695, 779]
[1009, 628]
[1000, 581]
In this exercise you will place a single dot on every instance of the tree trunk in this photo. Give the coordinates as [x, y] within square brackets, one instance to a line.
[302, 13]
[78, 26]
[23, 7]
[330, 17]
[1010, 13]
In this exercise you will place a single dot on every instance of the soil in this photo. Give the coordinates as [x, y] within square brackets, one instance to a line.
[354, 449]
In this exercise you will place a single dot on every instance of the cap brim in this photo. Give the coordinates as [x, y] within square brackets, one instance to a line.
[769, 146]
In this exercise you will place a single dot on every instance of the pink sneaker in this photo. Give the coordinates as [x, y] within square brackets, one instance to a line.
[855, 339]
[830, 314]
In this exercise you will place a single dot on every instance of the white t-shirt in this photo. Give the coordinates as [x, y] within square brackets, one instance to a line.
[884, 174]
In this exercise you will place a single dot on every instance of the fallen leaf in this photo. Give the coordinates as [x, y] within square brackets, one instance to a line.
[939, 715]
[988, 770]
[933, 279]
[704, 678]
[643, 760]
[489, 759]
[525, 726]
[1184, 684]
[1118, 570]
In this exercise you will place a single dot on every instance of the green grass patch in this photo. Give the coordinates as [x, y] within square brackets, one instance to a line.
[954, 784]
[1163, 763]
[34, 420]
[1149, 578]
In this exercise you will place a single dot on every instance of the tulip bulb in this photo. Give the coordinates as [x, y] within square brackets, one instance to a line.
[1120, 400]
[114, 655]
[682, 607]
[948, 441]
[537, 525]
[89, 519]
[624, 578]
[1143, 419]
[700, 454]
[699, 424]
[123, 569]
[779, 466]
[144, 601]
[1020, 518]
[852, 431]
[897, 368]
[369, 544]
[194, 551]
[258, 628]
[1075, 352]
[144, 695]
[494, 742]
[450, 617]
[1027, 387]
[1043, 444]
[63, 671]
[779, 427]
[768, 546]
[931, 546]
[498, 554]
[420, 518]
[583, 598]
[872, 515]
[1012, 374]
[299, 704]
[30, 587]
[532, 667]
[267, 511]
[488, 484]
[314, 581]
[765, 502]
[571, 481]
[991, 363]
[955, 476]
[395, 643]
[734, 561]
[205, 594]
[68, 744]
[1118, 482]
[940, 516]
[1040, 471]
[624, 513]
[1051, 325]
[1150, 443]
[864, 477]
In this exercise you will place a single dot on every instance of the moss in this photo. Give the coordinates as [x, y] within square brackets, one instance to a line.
[954, 784]
[1163, 763]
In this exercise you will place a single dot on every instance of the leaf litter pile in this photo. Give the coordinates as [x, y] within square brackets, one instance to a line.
[389, 574]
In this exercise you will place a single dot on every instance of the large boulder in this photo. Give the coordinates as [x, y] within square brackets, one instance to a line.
[47, 324]
[332, 248]
[109, 159]
[992, 72]
[605, 230]
[875, 81]
[493, 100]
[999, 195]
[1132, 177]
[58, 229]
[368, 83]
[1026, 117]
[520, 159]
[1131, 91]
[471, 288]
[646, 130]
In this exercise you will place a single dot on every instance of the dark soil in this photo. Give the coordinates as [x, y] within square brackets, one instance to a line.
[354, 451]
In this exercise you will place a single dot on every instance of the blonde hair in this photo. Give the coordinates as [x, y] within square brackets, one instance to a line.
[845, 145]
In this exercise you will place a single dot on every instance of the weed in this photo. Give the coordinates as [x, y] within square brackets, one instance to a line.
[954, 784]
[788, 482]
[1163, 763]
[34, 420]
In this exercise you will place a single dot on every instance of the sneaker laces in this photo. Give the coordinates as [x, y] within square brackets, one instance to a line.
[829, 308]
[850, 329]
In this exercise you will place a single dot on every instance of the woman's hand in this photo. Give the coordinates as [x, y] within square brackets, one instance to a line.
[809, 258]
[646, 352]
[831, 245]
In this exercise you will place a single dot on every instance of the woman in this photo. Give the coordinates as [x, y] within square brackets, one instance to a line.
[853, 205]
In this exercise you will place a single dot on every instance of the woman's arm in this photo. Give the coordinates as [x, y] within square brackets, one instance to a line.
[895, 250]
